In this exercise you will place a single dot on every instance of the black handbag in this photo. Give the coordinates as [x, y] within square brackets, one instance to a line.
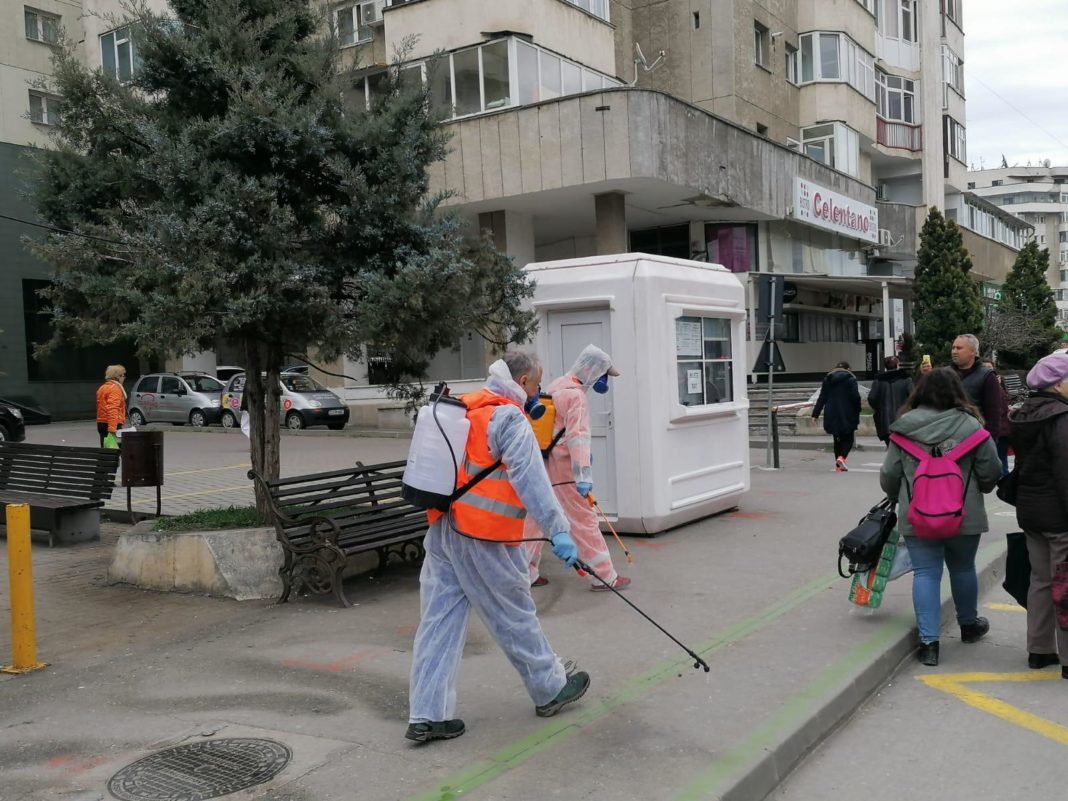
[863, 546]
[1017, 568]
[1008, 485]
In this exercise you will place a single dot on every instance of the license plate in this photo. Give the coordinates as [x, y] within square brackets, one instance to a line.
[333, 412]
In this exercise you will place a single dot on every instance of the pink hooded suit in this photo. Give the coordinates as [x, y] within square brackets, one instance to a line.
[569, 463]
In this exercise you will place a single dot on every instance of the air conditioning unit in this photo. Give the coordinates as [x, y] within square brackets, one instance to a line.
[886, 239]
[371, 12]
[793, 144]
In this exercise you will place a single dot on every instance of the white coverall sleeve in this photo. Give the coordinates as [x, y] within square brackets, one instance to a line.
[511, 439]
[576, 413]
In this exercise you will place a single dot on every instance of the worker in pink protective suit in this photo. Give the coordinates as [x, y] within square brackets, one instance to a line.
[571, 471]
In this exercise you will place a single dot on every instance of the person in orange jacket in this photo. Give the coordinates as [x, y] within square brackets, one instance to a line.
[111, 402]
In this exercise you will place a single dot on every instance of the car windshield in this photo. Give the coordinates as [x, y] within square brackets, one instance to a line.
[203, 383]
[295, 382]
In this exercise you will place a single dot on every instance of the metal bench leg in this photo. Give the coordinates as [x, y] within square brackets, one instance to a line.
[285, 572]
[339, 588]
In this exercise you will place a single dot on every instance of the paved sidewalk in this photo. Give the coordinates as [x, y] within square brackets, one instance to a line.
[754, 592]
[209, 468]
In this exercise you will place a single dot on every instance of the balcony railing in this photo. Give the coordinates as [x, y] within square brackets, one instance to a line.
[899, 134]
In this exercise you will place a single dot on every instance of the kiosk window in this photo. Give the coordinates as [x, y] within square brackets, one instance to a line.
[703, 360]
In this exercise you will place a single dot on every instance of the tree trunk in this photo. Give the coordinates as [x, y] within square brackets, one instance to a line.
[263, 397]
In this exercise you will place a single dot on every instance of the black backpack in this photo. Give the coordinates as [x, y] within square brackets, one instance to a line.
[863, 546]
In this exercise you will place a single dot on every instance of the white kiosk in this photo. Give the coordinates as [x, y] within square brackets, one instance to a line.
[671, 437]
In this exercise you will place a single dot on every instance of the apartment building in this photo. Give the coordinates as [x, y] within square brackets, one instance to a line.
[65, 382]
[1038, 195]
[808, 138]
[798, 137]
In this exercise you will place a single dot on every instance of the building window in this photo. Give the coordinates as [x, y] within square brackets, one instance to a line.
[955, 140]
[761, 44]
[118, 56]
[791, 64]
[354, 21]
[971, 184]
[668, 240]
[704, 361]
[869, 5]
[995, 183]
[895, 98]
[952, 9]
[599, 8]
[834, 144]
[41, 26]
[44, 109]
[953, 70]
[836, 57]
[734, 246]
[898, 19]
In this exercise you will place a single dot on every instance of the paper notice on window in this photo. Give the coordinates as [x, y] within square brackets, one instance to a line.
[693, 382]
[688, 338]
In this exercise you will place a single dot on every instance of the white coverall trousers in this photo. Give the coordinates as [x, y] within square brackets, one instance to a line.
[459, 573]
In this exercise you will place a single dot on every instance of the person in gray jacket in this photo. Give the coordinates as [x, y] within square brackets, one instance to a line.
[939, 414]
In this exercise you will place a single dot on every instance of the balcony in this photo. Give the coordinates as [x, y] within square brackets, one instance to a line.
[899, 135]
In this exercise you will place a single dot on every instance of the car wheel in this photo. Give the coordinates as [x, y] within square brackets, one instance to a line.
[294, 422]
[4, 436]
[197, 418]
[228, 420]
[136, 418]
[335, 426]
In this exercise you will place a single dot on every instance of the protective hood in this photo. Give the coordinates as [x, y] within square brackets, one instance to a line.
[934, 426]
[500, 381]
[590, 365]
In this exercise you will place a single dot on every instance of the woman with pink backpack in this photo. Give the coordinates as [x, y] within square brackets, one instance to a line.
[939, 464]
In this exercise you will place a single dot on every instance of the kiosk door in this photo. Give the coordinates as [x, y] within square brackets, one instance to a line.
[570, 332]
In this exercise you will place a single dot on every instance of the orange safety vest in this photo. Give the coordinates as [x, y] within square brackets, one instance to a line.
[491, 509]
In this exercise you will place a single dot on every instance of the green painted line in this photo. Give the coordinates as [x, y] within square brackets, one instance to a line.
[706, 784]
[799, 705]
[518, 752]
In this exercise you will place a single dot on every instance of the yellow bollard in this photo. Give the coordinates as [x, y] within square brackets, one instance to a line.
[20, 576]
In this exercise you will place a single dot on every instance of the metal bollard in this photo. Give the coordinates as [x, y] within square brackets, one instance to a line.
[20, 577]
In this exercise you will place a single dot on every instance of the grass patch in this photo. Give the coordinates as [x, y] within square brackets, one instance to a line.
[211, 519]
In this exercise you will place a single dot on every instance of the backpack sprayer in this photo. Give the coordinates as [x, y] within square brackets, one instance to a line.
[430, 477]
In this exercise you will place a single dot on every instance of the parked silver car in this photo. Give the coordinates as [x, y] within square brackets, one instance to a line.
[305, 402]
[178, 398]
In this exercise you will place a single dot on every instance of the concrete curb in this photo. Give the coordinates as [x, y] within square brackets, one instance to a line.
[760, 775]
[788, 444]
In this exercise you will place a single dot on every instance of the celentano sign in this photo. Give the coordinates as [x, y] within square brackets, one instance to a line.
[818, 206]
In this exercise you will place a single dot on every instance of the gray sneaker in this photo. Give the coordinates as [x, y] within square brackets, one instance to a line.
[439, 730]
[574, 689]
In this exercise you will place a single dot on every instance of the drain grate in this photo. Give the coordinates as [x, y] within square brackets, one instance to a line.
[199, 771]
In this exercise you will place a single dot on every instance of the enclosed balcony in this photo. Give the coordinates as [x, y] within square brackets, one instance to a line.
[900, 135]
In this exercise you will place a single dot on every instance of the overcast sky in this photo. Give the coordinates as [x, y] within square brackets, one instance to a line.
[1016, 50]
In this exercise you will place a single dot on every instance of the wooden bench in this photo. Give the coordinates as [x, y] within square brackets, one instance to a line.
[63, 485]
[1015, 387]
[323, 520]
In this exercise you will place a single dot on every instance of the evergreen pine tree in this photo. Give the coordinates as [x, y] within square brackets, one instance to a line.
[1027, 295]
[229, 192]
[947, 300]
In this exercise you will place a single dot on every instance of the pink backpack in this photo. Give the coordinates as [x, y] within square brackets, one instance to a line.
[936, 498]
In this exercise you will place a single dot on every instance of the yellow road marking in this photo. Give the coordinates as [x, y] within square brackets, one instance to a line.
[245, 466]
[953, 684]
[1006, 607]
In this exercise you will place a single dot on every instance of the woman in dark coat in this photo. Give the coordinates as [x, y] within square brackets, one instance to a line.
[839, 401]
[1039, 434]
[889, 391]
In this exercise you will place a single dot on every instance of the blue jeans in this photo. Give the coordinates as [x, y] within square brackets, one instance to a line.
[958, 554]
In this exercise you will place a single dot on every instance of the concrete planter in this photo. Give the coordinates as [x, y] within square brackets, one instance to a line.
[238, 563]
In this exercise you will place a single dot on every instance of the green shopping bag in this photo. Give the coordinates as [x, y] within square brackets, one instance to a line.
[111, 442]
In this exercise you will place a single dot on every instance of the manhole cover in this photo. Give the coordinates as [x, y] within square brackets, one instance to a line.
[198, 771]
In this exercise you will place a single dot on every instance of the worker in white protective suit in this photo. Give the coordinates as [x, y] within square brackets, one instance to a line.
[571, 470]
[474, 558]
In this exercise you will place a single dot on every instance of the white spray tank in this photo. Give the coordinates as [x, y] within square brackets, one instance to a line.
[438, 445]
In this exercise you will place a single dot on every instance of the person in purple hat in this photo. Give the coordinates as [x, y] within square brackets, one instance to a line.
[1039, 435]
